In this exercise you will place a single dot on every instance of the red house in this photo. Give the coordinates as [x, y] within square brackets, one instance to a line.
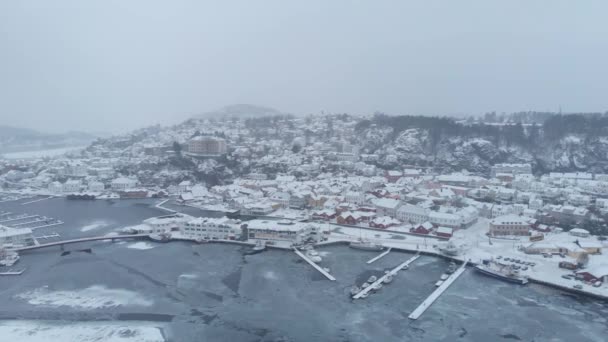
[424, 228]
[444, 232]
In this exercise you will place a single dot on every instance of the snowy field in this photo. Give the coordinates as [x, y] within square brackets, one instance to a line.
[41, 331]
[89, 298]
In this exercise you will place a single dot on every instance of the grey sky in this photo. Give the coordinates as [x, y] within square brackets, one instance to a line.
[119, 65]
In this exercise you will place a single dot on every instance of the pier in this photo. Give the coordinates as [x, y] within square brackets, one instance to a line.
[438, 292]
[88, 239]
[379, 256]
[391, 273]
[160, 206]
[18, 217]
[317, 267]
[37, 200]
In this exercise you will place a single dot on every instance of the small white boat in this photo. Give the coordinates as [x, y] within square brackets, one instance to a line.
[354, 290]
[439, 283]
[314, 256]
[388, 279]
[377, 287]
[364, 295]
[372, 279]
[364, 285]
[444, 276]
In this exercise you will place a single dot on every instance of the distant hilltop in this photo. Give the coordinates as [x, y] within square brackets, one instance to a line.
[240, 111]
[14, 139]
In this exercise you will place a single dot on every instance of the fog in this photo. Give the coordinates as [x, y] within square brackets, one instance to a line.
[119, 65]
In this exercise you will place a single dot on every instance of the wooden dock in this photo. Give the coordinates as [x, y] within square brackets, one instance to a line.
[381, 279]
[313, 264]
[379, 256]
[438, 292]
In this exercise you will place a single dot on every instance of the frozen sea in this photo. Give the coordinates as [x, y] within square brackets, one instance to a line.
[135, 291]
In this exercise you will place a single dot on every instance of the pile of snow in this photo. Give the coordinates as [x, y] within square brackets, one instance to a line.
[40, 331]
[141, 245]
[94, 297]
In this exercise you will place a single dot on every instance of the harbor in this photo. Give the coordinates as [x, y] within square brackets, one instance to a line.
[365, 291]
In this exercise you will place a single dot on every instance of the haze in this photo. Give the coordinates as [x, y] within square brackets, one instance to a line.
[119, 65]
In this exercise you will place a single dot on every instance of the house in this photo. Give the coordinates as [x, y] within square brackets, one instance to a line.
[96, 186]
[386, 206]
[579, 232]
[325, 214]
[207, 146]
[444, 232]
[284, 230]
[424, 228]
[348, 218]
[440, 219]
[167, 223]
[184, 186]
[123, 183]
[412, 213]
[510, 168]
[16, 236]
[599, 272]
[55, 187]
[510, 225]
[282, 198]
[72, 185]
[384, 222]
[208, 228]
[393, 176]
[356, 197]
[591, 247]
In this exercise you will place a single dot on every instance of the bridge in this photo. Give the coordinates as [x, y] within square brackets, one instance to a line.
[87, 239]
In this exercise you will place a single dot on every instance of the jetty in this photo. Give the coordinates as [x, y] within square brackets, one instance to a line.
[37, 200]
[87, 239]
[313, 264]
[438, 292]
[18, 217]
[390, 273]
[379, 256]
[12, 273]
[160, 206]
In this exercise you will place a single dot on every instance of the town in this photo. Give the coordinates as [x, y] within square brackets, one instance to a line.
[287, 182]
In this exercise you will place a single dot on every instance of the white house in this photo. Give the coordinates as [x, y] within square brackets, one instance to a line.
[510, 225]
[386, 206]
[71, 185]
[412, 213]
[96, 186]
[123, 183]
[55, 187]
[209, 228]
[282, 198]
[284, 230]
[355, 197]
[579, 232]
[16, 236]
[445, 219]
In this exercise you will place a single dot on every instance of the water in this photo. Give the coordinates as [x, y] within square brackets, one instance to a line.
[214, 292]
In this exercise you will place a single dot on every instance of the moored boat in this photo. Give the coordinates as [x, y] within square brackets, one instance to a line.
[501, 271]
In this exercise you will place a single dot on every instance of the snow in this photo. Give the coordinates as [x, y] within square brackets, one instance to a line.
[42, 331]
[93, 297]
[41, 153]
[94, 225]
[141, 245]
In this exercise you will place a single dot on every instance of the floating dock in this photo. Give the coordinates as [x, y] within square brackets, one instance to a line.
[37, 200]
[160, 206]
[18, 217]
[317, 267]
[12, 273]
[379, 256]
[438, 292]
[391, 273]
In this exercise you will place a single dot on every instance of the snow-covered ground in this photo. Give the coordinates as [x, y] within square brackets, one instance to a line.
[41, 331]
[141, 245]
[42, 153]
[94, 225]
[94, 297]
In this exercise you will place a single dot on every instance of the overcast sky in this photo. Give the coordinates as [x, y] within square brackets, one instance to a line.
[118, 65]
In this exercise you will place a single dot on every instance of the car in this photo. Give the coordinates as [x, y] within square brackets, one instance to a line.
[578, 286]
[507, 259]
[562, 255]
[499, 257]
[525, 268]
[597, 284]
[532, 264]
[566, 276]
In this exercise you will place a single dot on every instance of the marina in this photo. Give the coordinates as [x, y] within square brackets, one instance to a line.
[437, 293]
[364, 292]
